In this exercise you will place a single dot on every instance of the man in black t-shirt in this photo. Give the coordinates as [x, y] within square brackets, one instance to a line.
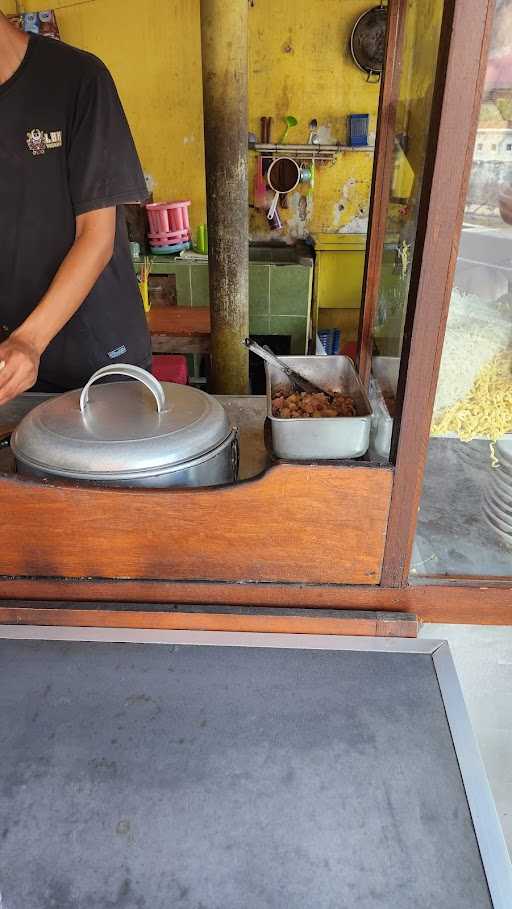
[69, 300]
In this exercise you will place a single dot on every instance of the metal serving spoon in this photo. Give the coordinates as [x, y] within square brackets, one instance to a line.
[295, 378]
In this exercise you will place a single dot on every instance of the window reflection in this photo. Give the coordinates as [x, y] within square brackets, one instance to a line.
[465, 519]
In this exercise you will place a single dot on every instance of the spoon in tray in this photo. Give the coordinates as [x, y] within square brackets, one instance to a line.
[295, 378]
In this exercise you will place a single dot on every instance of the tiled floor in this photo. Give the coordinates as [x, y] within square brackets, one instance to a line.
[483, 657]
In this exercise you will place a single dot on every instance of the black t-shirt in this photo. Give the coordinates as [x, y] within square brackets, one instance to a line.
[66, 149]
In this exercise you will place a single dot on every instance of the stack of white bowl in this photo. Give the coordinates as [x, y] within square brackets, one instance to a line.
[497, 500]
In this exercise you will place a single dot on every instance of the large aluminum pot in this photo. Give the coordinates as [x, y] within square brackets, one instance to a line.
[142, 433]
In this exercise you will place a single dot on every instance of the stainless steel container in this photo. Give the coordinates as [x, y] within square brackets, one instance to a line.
[143, 433]
[330, 438]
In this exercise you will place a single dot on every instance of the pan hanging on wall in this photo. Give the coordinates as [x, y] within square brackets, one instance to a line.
[368, 41]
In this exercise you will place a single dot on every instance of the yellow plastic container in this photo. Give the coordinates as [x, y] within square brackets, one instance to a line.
[347, 320]
[339, 270]
[403, 177]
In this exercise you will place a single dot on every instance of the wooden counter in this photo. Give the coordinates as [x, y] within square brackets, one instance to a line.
[318, 523]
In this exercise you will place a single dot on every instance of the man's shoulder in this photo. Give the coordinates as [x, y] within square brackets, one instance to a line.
[72, 60]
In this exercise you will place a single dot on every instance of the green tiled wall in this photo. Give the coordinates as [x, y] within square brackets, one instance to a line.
[279, 295]
[280, 301]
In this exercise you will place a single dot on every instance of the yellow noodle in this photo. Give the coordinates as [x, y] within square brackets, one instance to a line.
[487, 409]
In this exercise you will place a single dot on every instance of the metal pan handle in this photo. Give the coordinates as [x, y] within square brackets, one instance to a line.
[131, 372]
[235, 455]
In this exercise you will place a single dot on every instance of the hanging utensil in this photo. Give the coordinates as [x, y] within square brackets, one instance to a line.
[266, 132]
[368, 42]
[306, 173]
[260, 189]
[283, 176]
[295, 378]
[289, 121]
[313, 126]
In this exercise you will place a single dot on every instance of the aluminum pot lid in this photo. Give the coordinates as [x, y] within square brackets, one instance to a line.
[111, 429]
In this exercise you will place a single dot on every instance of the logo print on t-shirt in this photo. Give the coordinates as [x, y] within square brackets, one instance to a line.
[38, 141]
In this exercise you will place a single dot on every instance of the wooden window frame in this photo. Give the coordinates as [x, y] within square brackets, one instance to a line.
[461, 66]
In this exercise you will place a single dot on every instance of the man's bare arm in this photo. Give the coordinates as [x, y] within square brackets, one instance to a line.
[79, 271]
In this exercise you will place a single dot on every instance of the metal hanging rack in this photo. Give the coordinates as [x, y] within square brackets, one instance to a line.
[308, 152]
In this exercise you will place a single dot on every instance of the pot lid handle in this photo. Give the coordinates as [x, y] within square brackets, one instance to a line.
[132, 372]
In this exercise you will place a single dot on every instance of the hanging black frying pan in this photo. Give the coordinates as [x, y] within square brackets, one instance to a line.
[368, 42]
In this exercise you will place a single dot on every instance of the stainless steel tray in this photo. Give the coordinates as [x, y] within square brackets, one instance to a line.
[331, 438]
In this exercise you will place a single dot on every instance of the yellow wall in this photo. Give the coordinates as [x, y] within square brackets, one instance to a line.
[153, 51]
[421, 41]
[298, 64]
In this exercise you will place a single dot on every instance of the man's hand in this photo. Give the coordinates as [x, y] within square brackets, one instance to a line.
[19, 364]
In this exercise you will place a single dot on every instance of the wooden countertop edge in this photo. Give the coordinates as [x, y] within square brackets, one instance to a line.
[366, 624]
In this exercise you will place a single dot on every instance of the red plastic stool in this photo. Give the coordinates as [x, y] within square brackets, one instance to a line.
[170, 368]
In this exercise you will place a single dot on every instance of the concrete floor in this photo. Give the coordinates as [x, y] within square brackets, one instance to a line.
[453, 536]
[483, 658]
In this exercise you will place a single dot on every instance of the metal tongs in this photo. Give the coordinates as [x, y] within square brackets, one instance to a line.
[295, 378]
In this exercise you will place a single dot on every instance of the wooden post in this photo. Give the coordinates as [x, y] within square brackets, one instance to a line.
[224, 53]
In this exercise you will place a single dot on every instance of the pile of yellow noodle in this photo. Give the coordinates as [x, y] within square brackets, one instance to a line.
[487, 410]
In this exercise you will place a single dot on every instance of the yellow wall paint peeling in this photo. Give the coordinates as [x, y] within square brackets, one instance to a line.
[298, 64]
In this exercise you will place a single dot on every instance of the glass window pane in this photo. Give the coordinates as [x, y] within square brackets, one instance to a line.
[465, 519]
[414, 103]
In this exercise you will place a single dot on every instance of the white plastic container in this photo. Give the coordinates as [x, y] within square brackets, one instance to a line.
[385, 381]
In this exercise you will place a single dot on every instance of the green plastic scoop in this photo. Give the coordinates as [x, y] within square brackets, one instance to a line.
[290, 121]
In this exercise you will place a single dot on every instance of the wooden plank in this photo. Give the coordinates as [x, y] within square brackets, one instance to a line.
[460, 605]
[179, 321]
[381, 182]
[461, 70]
[166, 344]
[299, 523]
[167, 593]
[367, 624]
[482, 605]
[463, 580]
[180, 329]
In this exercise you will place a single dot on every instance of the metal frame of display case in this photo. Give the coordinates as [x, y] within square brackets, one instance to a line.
[384, 496]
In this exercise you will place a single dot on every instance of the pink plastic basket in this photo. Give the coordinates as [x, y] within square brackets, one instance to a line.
[169, 220]
[169, 238]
